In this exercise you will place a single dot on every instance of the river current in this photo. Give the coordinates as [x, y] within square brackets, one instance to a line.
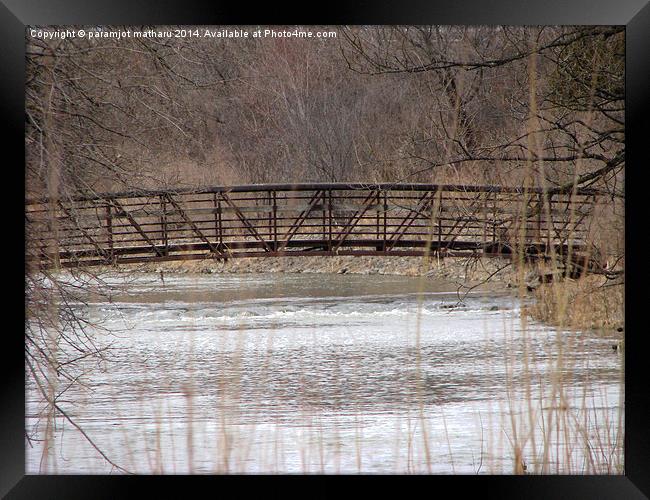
[330, 373]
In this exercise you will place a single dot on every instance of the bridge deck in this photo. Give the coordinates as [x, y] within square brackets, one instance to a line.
[304, 219]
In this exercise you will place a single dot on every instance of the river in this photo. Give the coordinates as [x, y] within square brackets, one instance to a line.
[317, 373]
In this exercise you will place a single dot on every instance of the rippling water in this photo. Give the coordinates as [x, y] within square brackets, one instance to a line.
[331, 373]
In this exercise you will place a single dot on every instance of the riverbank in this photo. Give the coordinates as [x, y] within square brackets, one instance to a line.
[486, 272]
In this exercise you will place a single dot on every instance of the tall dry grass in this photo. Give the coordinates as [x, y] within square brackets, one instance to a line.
[557, 431]
[591, 302]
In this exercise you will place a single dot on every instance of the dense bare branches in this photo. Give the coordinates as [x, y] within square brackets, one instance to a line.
[381, 103]
[484, 78]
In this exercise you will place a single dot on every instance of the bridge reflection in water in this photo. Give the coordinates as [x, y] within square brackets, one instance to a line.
[306, 219]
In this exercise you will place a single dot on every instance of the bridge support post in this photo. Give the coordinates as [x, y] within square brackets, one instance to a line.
[109, 231]
[217, 229]
[163, 225]
[494, 220]
[275, 220]
[385, 217]
[329, 217]
[440, 224]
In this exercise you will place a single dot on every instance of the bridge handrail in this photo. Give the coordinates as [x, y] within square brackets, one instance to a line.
[310, 186]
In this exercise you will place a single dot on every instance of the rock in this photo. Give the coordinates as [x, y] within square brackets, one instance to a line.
[459, 305]
[343, 270]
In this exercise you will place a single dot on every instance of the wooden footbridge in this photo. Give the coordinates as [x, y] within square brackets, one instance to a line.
[306, 219]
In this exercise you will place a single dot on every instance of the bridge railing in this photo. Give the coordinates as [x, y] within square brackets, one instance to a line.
[303, 219]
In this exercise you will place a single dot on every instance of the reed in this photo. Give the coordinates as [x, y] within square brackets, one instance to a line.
[554, 430]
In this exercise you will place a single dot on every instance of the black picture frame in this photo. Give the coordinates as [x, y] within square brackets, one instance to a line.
[16, 15]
